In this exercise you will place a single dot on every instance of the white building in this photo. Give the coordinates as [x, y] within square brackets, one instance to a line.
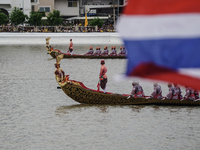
[67, 8]
[7, 6]
[77, 8]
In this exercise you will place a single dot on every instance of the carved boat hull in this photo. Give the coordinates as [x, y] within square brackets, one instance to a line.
[81, 94]
[53, 54]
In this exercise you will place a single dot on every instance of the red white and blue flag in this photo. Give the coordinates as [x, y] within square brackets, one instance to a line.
[162, 37]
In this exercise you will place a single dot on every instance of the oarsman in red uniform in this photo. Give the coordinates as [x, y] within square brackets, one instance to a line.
[157, 93]
[189, 94]
[172, 93]
[137, 91]
[105, 52]
[71, 47]
[178, 91]
[103, 76]
[90, 52]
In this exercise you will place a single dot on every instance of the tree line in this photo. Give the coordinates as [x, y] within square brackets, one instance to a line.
[17, 17]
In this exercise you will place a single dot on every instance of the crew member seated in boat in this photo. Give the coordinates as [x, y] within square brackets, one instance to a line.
[105, 52]
[90, 52]
[172, 93]
[111, 48]
[59, 73]
[113, 51]
[120, 50]
[157, 93]
[99, 51]
[189, 94]
[196, 94]
[103, 76]
[124, 50]
[178, 91]
[137, 91]
[96, 53]
[71, 47]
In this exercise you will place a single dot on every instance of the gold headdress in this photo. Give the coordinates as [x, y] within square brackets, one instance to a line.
[59, 57]
[47, 40]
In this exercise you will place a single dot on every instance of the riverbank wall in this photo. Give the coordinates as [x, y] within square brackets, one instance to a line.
[60, 38]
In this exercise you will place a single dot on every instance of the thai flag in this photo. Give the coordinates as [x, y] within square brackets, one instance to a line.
[161, 38]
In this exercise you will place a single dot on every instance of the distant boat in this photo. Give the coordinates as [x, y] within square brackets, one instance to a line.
[54, 52]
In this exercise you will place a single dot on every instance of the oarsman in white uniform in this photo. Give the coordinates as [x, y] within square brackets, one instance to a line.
[124, 50]
[178, 91]
[113, 52]
[157, 93]
[96, 53]
[137, 91]
[105, 52]
[189, 94]
[172, 93]
[196, 94]
[120, 52]
[90, 52]
[99, 51]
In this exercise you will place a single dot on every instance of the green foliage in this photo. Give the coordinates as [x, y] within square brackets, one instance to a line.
[96, 21]
[35, 18]
[54, 18]
[3, 18]
[17, 16]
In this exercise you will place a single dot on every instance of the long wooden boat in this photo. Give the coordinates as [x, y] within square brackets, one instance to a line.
[53, 52]
[81, 94]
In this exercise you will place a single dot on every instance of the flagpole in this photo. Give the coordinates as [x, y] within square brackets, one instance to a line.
[86, 21]
[118, 11]
[114, 14]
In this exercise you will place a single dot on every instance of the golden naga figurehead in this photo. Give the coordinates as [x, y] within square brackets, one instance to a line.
[59, 57]
[47, 44]
[59, 73]
[47, 40]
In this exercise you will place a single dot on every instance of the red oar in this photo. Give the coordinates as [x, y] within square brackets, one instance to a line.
[98, 87]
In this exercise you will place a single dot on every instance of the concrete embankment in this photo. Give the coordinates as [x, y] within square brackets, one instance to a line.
[60, 38]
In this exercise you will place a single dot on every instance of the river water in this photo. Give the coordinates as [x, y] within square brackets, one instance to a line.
[35, 115]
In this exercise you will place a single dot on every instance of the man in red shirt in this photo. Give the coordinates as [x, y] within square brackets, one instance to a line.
[103, 76]
[71, 47]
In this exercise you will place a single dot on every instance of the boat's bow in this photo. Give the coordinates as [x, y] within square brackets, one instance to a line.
[48, 47]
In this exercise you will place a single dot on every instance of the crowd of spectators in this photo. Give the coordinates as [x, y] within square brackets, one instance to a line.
[56, 29]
